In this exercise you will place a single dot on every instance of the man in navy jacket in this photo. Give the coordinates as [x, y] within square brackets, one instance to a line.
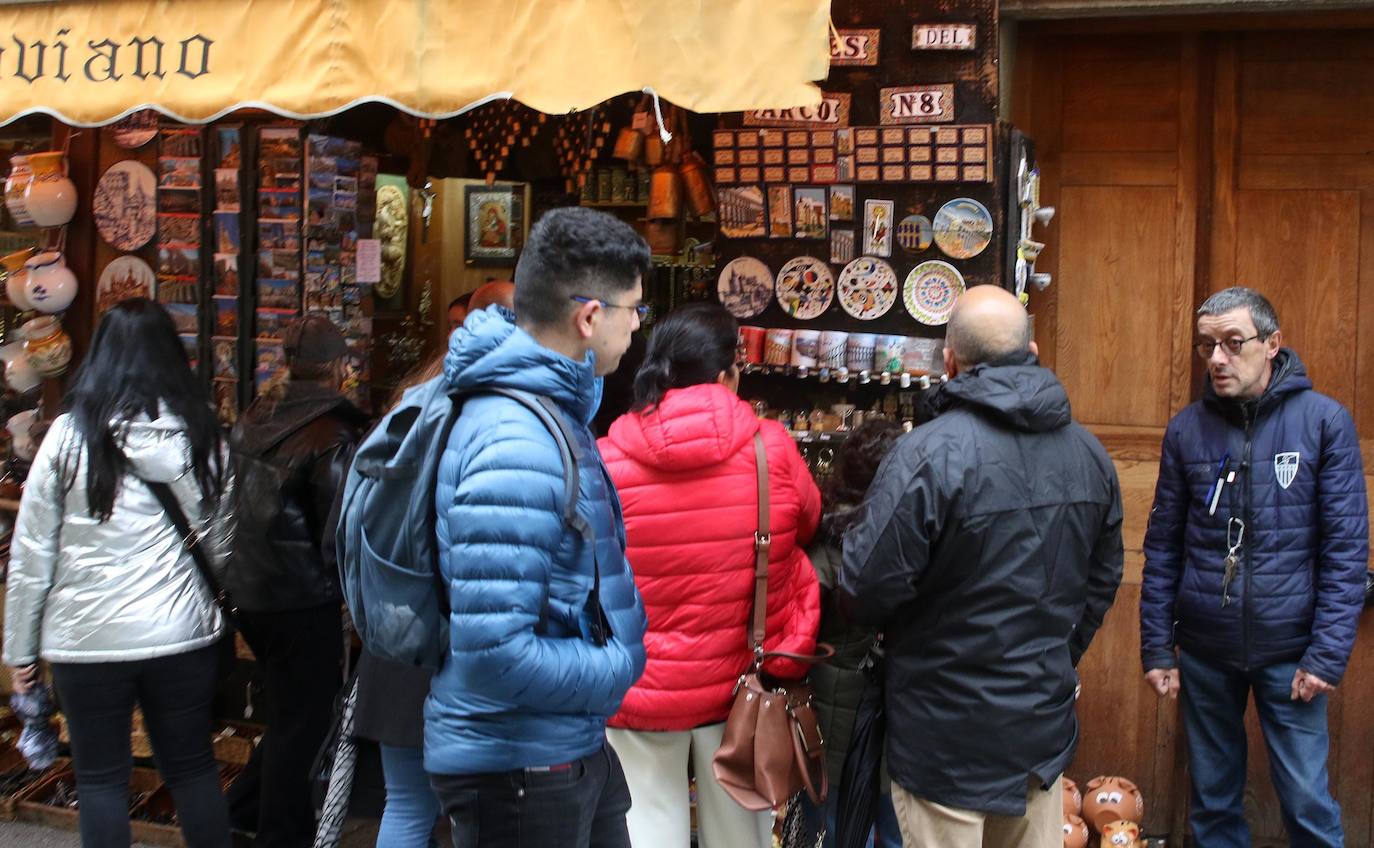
[1254, 571]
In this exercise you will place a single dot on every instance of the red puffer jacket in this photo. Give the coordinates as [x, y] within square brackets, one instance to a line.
[686, 477]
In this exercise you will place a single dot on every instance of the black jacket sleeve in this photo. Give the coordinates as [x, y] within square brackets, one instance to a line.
[327, 476]
[1104, 572]
[888, 548]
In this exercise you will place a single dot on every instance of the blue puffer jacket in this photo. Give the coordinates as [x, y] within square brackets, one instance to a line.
[522, 686]
[1299, 488]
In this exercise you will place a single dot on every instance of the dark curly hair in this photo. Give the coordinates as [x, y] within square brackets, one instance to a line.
[856, 463]
[575, 251]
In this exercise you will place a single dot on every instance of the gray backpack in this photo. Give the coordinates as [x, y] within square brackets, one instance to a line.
[387, 551]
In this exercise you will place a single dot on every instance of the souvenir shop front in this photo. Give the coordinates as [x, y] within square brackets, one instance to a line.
[834, 173]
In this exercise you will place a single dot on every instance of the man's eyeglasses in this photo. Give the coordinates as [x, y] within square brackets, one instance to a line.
[641, 309]
[1204, 347]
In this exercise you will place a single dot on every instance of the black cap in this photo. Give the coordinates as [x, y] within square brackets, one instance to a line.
[313, 338]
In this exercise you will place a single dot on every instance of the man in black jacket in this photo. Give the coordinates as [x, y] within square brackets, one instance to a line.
[291, 454]
[989, 551]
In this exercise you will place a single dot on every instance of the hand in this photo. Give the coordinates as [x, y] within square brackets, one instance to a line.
[1307, 686]
[23, 677]
[1165, 682]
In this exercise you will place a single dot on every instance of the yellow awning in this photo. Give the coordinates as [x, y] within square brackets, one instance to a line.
[88, 62]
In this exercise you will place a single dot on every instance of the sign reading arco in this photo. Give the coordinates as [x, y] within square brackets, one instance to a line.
[106, 60]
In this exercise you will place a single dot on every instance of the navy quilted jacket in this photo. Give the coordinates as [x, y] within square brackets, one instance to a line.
[1299, 489]
[523, 684]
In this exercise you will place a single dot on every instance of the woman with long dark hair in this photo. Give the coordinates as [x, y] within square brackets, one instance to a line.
[102, 585]
[683, 462]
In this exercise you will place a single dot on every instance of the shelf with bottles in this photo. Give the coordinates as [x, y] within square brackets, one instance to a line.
[842, 376]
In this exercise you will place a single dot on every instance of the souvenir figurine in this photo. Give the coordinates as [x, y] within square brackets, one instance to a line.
[1073, 799]
[1120, 834]
[1075, 832]
[1110, 799]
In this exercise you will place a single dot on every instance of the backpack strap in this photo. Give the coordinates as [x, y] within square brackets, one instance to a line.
[553, 420]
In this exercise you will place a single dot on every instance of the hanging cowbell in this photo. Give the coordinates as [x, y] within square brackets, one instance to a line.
[665, 192]
[701, 194]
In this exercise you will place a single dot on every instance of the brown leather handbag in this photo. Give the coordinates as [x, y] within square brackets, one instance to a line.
[772, 746]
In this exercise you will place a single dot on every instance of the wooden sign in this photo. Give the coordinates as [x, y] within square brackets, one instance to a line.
[854, 47]
[918, 104]
[941, 37]
[832, 111]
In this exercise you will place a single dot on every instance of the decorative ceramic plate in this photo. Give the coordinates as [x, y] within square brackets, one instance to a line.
[867, 288]
[136, 130]
[930, 291]
[125, 277]
[745, 287]
[914, 233]
[963, 228]
[805, 287]
[125, 205]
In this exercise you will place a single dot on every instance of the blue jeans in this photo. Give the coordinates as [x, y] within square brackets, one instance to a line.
[412, 808]
[1213, 706]
[886, 832]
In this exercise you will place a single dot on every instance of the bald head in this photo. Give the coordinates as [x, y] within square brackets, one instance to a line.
[499, 291]
[988, 323]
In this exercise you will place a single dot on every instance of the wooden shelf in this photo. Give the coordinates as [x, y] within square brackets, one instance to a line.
[616, 204]
[7, 505]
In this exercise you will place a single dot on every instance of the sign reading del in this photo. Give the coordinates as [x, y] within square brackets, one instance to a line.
[944, 36]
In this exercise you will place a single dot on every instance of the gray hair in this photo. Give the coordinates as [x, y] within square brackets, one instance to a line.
[1238, 297]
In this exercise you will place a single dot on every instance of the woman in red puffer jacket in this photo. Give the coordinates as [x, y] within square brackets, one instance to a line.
[683, 463]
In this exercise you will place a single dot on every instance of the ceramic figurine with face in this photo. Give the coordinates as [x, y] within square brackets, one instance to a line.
[1073, 799]
[1075, 832]
[1120, 834]
[1110, 799]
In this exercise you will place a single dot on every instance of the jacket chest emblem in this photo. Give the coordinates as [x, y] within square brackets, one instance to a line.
[1286, 467]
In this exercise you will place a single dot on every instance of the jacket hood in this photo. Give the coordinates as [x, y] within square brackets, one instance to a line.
[266, 423]
[1015, 391]
[1289, 377]
[691, 428]
[158, 450]
[490, 351]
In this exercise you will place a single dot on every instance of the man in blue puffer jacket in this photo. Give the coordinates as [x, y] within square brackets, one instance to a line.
[1254, 571]
[515, 740]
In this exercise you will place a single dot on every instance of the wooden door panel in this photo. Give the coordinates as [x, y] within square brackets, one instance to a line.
[1301, 249]
[1122, 99]
[1116, 253]
[1117, 713]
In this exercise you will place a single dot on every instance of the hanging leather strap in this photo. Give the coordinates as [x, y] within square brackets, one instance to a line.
[763, 543]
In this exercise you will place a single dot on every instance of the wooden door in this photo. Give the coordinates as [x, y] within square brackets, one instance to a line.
[1184, 158]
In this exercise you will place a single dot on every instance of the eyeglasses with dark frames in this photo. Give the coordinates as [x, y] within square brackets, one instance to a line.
[641, 309]
[1233, 346]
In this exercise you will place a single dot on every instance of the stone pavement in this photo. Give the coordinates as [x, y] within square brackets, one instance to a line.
[358, 833]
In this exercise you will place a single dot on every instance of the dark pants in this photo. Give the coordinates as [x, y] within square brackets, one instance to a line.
[299, 654]
[581, 805]
[175, 693]
[1213, 700]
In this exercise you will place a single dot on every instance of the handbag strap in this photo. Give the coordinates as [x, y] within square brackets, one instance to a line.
[191, 541]
[763, 543]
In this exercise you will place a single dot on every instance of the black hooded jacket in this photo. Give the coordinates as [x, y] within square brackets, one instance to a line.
[989, 552]
[290, 458]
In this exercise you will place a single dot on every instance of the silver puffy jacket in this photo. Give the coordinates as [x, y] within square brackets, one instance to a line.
[82, 590]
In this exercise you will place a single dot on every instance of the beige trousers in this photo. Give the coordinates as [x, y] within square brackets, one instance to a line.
[660, 807]
[926, 824]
